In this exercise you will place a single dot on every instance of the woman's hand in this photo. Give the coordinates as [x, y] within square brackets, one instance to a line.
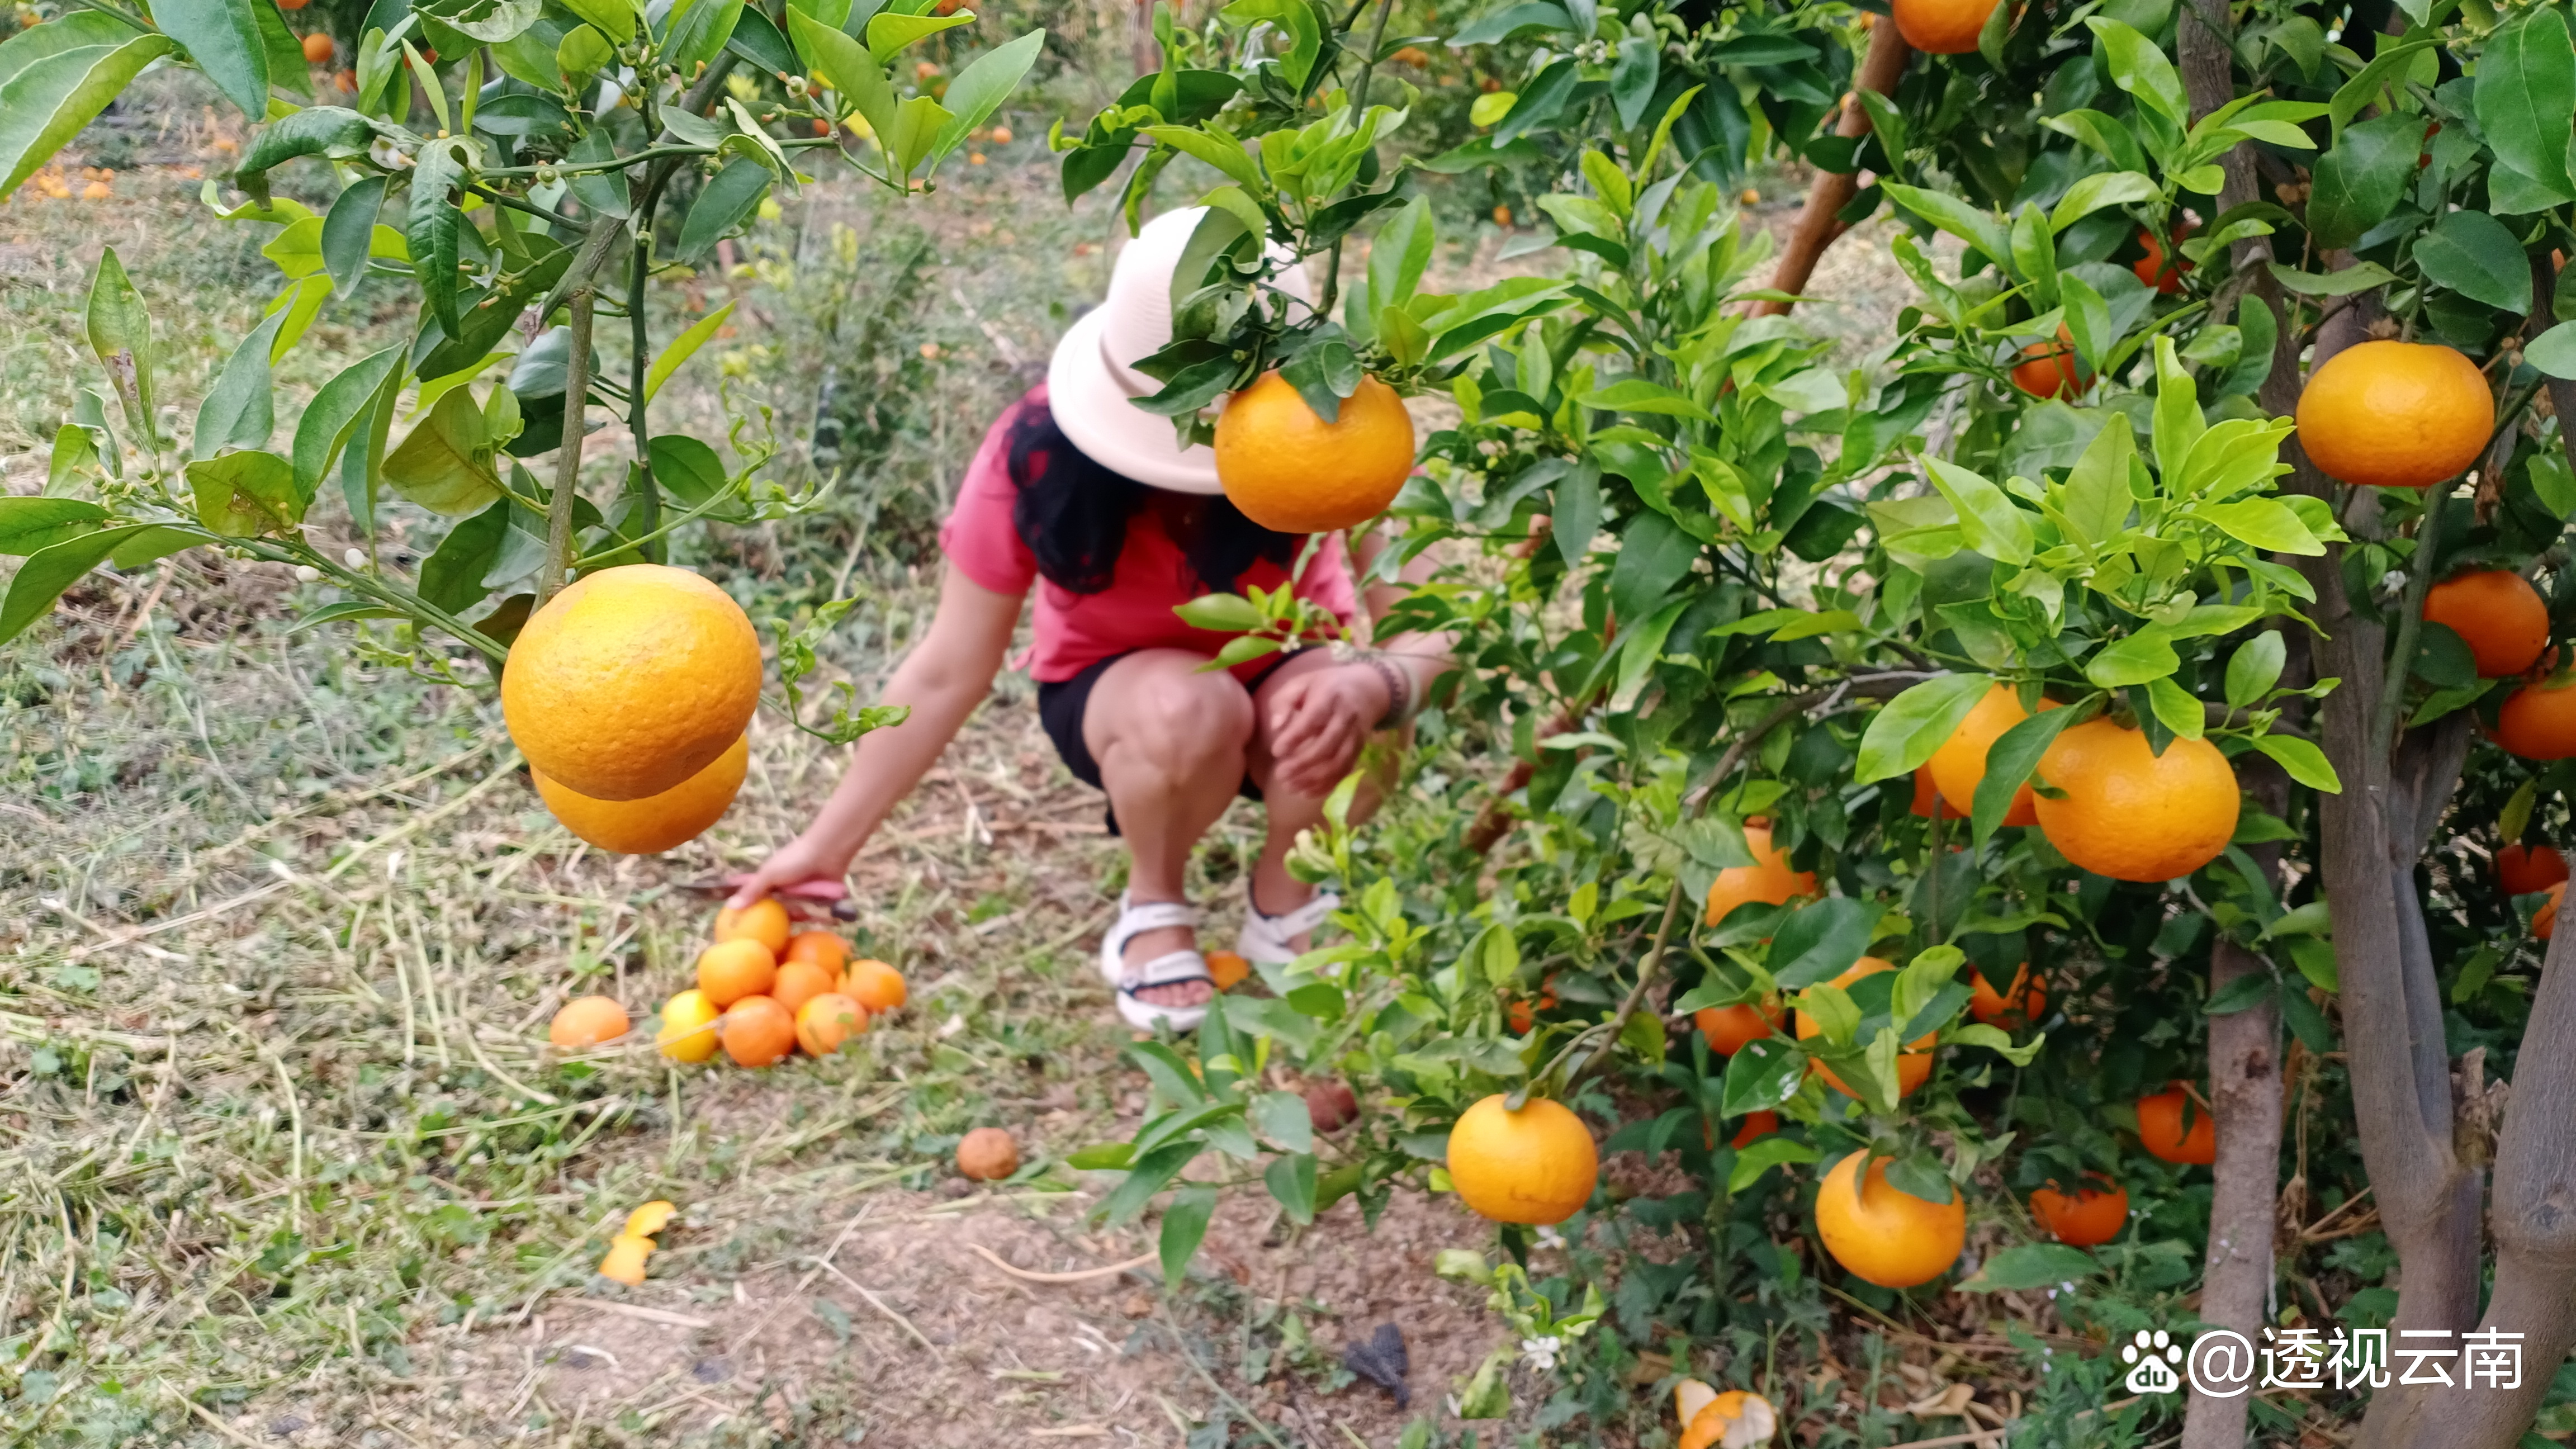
[800, 869]
[1319, 720]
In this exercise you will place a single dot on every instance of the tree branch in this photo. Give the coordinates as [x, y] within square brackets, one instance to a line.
[568, 454]
[1821, 222]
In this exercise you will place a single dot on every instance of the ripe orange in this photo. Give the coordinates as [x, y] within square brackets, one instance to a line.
[1728, 1028]
[988, 1154]
[1756, 1125]
[657, 822]
[728, 971]
[293, 4]
[1227, 970]
[2161, 1130]
[1769, 880]
[2538, 721]
[318, 48]
[1732, 1420]
[2130, 815]
[2087, 1217]
[1959, 766]
[2017, 1006]
[688, 1026]
[828, 1020]
[1941, 27]
[764, 921]
[2498, 614]
[1001, 135]
[758, 1032]
[1536, 1165]
[2544, 921]
[798, 982]
[2155, 268]
[1928, 797]
[1883, 1234]
[874, 985]
[1289, 470]
[1913, 1065]
[2391, 414]
[631, 680]
[822, 948]
[2050, 369]
[586, 1021]
[2522, 869]
[345, 82]
[1523, 1013]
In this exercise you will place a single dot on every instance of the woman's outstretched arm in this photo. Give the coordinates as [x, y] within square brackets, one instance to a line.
[945, 676]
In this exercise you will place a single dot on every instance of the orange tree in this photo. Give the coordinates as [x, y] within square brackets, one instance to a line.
[1698, 578]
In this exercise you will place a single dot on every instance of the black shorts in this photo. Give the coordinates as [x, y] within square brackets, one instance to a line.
[1060, 708]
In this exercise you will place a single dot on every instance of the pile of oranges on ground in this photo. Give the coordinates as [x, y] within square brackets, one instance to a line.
[762, 994]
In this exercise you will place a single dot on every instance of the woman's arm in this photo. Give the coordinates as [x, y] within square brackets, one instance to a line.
[1318, 720]
[944, 677]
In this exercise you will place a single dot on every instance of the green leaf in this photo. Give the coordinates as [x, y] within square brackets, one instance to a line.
[1989, 520]
[2139, 68]
[2178, 423]
[614, 19]
[2526, 98]
[349, 231]
[120, 326]
[30, 524]
[2009, 762]
[682, 348]
[433, 226]
[446, 465]
[222, 38]
[2554, 482]
[2176, 709]
[890, 33]
[725, 203]
[979, 89]
[2095, 502]
[1637, 395]
[1903, 735]
[1763, 1074]
[917, 124]
[1291, 1181]
[54, 80]
[2471, 253]
[2305, 762]
[2554, 352]
[1102, 1157]
[1185, 1224]
[2029, 1266]
[2133, 660]
[327, 420]
[2101, 189]
[2358, 183]
[1760, 1157]
[238, 412]
[1282, 1120]
[2255, 668]
[1821, 941]
[1976, 227]
[2266, 523]
[243, 495]
[50, 570]
[2359, 277]
[1148, 1177]
[1225, 613]
[1224, 153]
[698, 29]
[333, 131]
[2369, 85]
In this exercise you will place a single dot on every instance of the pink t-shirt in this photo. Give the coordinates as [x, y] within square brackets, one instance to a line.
[1074, 631]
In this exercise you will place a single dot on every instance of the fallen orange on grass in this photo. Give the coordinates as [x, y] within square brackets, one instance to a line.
[1735, 1419]
[822, 948]
[688, 1032]
[799, 982]
[874, 985]
[758, 1032]
[625, 1260]
[763, 920]
[728, 971]
[988, 1154]
[586, 1021]
[1227, 970]
[827, 1021]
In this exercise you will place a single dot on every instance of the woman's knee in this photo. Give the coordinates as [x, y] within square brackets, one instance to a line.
[1179, 715]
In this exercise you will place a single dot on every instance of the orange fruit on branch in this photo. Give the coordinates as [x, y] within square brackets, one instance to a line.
[728, 971]
[1883, 1234]
[1534, 1166]
[586, 1021]
[1928, 797]
[630, 681]
[688, 1030]
[874, 985]
[1959, 766]
[2162, 1132]
[2522, 869]
[2158, 270]
[1291, 471]
[828, 1020]
[2131, 814]
[2388, 414]
[318, 48]
[1913, 1065]
[1730, 1028]
[988, 1154]
[2015, 1007]
[2497, 613]
[2087, 1217]
[1756, 1125]
[757, 1032]
[2544, 918]
[2538, 721]
[1768, 881]
[657, 822]
[764, 921]
[1941, 27]
[2051, 369]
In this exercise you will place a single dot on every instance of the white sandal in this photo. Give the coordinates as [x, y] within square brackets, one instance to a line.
[1172, 968]
[1264, 940]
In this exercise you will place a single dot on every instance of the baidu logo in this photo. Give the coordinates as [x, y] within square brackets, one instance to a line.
[2154, 1355]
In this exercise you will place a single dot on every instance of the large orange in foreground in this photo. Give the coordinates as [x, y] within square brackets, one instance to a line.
[1913, 1065]
[1959, 766]
[1769, 880]
[2396, 414]
[1289, 470]
[2089, 1216]
[1941, 27]
[657, 822]
[630, 681]
[1883, 1234]
[2131, 814]
[1536, 1165]
[2497, 613]
[2161, 1130]
[2538, 722]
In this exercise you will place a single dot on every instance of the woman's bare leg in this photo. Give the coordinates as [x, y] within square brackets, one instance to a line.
[1171, 745]
[1274, 890]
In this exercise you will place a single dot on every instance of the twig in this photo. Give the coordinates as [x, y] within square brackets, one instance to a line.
[649, 1315]
[1086, 1275]
[128, 937]
[879, 1305]
[1181, 1346]
[218, 1425]
[568, 452]
[776, 1308]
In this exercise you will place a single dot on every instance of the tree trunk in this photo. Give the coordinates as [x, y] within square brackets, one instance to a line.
[1831, 191]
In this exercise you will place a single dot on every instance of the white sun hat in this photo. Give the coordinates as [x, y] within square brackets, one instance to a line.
[1092, 380]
